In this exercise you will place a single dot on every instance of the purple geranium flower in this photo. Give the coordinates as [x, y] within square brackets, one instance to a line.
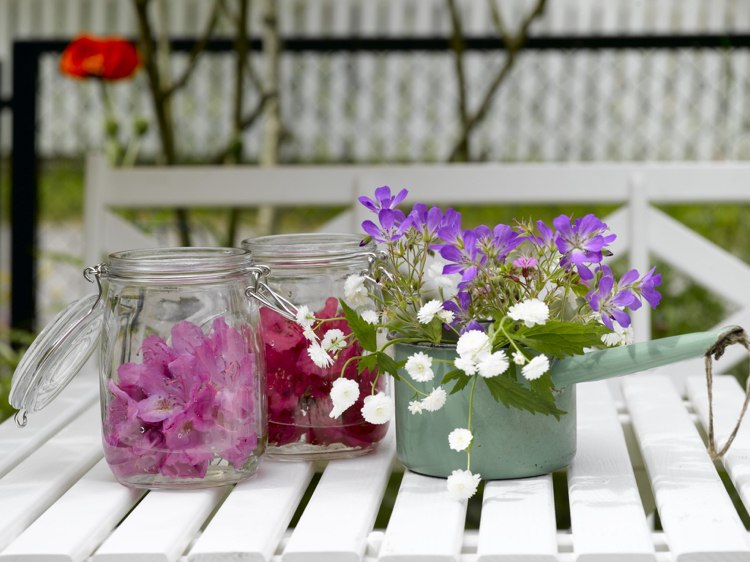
[461, 316]
[581, 242]
[393, 224]
[383, 199]
[464, 258]
[648, 290]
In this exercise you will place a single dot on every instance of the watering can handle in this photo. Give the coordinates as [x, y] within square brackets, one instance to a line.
[619, 361]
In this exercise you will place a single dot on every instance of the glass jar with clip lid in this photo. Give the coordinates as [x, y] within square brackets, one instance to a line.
[180, 364]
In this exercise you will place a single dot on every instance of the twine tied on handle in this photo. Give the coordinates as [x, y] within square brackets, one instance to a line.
[734, 336]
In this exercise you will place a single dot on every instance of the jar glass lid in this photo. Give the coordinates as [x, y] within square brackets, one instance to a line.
[56, 355]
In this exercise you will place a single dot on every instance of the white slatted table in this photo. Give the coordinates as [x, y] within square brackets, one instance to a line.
[59, 502]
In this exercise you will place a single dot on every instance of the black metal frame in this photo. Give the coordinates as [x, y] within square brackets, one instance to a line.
[26, 55]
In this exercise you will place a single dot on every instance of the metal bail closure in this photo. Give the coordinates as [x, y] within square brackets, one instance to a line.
[58, 352]
[261, 292]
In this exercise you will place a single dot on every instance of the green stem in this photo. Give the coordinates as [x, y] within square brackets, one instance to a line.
[471, 411]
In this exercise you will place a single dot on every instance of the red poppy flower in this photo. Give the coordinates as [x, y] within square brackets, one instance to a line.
[107, 58]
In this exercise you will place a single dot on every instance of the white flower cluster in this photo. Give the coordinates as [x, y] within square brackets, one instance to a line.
[531, 312]
[377, 408]
[430, 403]
[462, 484]
[355, 292]
[475, 355]
[432, 309]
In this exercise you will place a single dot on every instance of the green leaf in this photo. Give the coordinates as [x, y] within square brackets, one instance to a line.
[461, 378]
[514, 394]
[461, 383]
[367, 362]
[387, 364]
[561, 339]
[364, 332]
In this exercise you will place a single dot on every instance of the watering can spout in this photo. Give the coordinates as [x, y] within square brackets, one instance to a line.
[618, 361]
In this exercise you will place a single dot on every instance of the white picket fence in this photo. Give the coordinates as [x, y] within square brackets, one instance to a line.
[377, 107]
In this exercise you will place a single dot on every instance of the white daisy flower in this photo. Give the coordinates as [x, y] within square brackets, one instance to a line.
[428, 311]
[519, 358]
[310, 335]
[419, 367]
[344, 393]
[493, 364]
[446, 316]
[435, 400]
[462, 484]
[378, 408]
[355, 291]
[415, 407]
[473, 344]
[459, 439]
[305, 317]
[466, 365]
[530, 311]
[536, 367]
[334, 340]
[319, 355]
[369, 316]
[621, 336]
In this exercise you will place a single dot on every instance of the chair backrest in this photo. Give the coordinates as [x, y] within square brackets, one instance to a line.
[643, 230]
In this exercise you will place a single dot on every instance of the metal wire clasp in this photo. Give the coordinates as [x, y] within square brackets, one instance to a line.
[93, 274]
[261, 292]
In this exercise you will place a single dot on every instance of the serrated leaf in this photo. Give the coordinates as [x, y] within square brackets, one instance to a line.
[365, 333]
[461, 383]
[452, 375]
[561, 339]
[367, 362]
[461, 378]
[387, 364]
[514, 394]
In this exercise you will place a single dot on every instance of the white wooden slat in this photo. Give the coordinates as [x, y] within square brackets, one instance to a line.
[678, 245]
[698, 517]
[72, 528]
[17, 443]
[606, 512]
[330, 529]
[161, 527]
[252, 520]
[426, 523]
[33, 485]
[518, 521]
[728, 398]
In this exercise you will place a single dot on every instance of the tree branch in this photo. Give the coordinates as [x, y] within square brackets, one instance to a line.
[249, 68]
[196, 52]
[161, 109]
[247, 121]
[513, 44]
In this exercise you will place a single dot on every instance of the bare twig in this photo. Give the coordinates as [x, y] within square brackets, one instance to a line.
[247, 121]
[241, 57]
[272, 49]
[458, 47]
[196, 51]
[513, 44]
[249, 68]
[161, 110]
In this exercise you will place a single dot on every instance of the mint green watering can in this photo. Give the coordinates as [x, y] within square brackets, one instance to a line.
[508, 442]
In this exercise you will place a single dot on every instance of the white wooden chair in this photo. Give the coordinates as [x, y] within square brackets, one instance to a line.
[644, 232]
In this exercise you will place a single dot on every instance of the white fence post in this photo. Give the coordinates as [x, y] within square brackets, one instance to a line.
[639, 250]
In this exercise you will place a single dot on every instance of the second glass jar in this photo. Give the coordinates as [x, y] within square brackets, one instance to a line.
[312, 270]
